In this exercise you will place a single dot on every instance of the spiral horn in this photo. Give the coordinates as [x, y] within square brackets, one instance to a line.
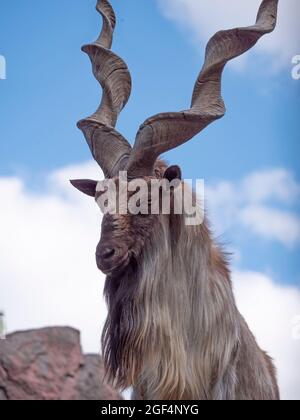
[109, 148]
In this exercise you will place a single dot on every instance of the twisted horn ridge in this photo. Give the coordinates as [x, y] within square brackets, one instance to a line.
[109, 148]
[166, 131]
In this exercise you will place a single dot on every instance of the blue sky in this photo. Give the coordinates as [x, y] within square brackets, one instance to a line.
[49, 87]
[249, 159]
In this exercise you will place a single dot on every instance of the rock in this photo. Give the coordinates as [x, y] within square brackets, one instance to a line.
[48, 364]
[89, 381]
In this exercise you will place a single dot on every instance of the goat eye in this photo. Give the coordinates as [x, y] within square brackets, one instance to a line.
[102, 204]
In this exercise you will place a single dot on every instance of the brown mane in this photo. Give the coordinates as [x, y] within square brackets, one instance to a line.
[173, 330]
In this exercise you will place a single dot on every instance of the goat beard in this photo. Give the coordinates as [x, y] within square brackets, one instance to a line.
[118, 344]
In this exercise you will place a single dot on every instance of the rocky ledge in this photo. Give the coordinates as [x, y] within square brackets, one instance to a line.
[48, 364]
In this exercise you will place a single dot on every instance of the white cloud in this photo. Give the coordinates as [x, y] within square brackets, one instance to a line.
[272, 224]
[205, 17]
[277, 184]
[270, 310]
[253, 203]
[48, 274]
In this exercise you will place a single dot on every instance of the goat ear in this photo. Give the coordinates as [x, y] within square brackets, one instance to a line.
[86, 186]
[172, 173]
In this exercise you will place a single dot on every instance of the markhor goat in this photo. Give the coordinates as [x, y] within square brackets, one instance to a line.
[173, 330]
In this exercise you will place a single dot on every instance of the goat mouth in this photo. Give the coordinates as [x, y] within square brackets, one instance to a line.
[116, 267]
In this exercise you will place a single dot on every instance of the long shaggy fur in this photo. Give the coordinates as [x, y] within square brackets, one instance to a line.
[173, 331]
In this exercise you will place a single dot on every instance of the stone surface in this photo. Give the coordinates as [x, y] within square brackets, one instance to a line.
[48, 364]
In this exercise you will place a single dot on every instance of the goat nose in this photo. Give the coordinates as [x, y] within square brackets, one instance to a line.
[107, 253]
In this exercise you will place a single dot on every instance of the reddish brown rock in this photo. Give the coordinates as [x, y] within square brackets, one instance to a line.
[48, 364]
